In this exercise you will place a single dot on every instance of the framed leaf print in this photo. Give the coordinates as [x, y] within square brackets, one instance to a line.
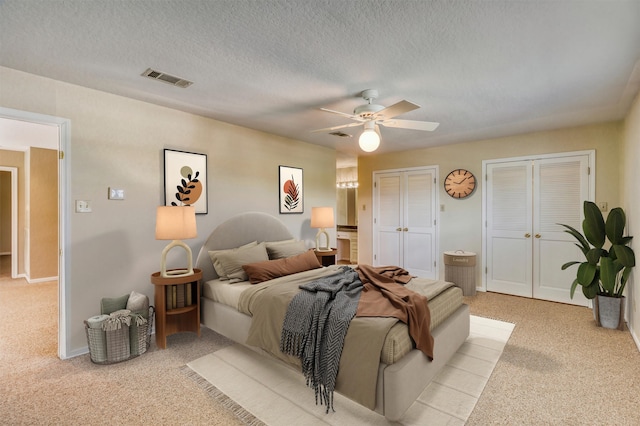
[185, 180]
[291, 190]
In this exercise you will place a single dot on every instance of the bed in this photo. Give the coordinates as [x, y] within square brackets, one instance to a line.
[402, 373]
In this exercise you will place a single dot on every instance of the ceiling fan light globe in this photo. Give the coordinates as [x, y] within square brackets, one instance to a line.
[369, 140]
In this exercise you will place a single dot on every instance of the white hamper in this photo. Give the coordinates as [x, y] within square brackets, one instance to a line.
[460, 269]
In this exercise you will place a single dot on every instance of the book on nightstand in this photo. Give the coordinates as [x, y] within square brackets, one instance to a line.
[169, 297]
[180, 296]
[189, 294]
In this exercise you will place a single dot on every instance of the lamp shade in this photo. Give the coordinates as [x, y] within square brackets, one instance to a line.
[176, 223]
[322, 217]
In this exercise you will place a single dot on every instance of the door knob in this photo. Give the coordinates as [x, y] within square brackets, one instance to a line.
[538, 235]
[527, 235]
[398, 229]
[405, 229]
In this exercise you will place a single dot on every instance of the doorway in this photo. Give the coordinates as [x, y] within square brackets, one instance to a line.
[9, 220]
[61, 129]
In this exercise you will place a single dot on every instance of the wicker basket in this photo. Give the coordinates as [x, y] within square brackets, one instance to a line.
[109, 347]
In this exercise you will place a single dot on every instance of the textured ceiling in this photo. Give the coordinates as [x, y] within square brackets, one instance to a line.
[480, 68]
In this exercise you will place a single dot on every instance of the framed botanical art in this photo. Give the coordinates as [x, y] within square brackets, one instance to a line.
[291, 190]
[185, 180]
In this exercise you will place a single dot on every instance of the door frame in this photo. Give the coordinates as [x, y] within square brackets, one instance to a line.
[64, 260]
[592, 189]
[13, 171]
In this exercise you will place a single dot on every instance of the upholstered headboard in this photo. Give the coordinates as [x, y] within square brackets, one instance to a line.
[239, 230]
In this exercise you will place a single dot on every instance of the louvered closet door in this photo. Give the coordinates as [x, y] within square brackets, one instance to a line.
[404, 222]
[509, 221]
[526, 199]
[419, 223]
[388, 245]
[561, 185]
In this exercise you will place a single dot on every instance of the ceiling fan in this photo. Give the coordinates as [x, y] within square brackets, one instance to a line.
[371, 115]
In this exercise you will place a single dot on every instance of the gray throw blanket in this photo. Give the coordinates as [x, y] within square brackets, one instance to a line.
[315, 326]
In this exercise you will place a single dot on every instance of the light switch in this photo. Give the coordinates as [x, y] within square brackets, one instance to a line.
[116, 194]
[83, 206]
[602, 205]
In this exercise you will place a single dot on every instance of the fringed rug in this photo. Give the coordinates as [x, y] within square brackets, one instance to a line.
[261, 391]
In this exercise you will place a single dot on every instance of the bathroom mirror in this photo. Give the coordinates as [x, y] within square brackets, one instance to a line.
[347, 214]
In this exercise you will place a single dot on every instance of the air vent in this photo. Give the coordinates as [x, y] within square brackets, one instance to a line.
[340, 134]
[167, 78]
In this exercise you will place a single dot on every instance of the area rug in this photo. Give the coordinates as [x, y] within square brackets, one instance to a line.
[261, 391]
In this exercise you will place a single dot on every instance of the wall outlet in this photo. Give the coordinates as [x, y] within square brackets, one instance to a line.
[83, 206]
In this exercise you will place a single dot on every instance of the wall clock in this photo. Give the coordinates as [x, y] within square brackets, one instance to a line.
[460, 183]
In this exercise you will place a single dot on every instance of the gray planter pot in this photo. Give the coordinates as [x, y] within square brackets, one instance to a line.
[609, 311]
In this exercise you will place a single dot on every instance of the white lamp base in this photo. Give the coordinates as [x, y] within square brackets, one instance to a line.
[326, 236]
[176, 272]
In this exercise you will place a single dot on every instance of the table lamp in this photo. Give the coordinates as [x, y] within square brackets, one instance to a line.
[322, 217]
[176, 223]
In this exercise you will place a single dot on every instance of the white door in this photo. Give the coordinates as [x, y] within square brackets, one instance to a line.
[420, 223]
[525, 202]
[562, 185]
[509, 218]
[387, 225]
[405, 224]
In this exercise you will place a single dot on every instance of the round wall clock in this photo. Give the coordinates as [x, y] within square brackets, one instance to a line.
[460, 183]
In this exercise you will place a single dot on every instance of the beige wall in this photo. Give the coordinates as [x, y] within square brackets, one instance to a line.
[43, 213]
[630, 193]
[17, 159]
[118, 142]
[460, 222]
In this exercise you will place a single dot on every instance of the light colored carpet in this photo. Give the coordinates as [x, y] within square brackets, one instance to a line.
[277, 395]
[37, 388]
[558, 368]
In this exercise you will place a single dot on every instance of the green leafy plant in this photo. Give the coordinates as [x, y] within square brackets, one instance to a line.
[605, 271]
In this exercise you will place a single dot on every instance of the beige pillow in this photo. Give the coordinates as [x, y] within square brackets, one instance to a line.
[216, 263]
[287, 248]
[270, 269]
[138, 302]
[232, 262]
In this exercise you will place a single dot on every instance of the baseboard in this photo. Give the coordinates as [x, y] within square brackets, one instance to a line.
[634, 336]
[40, 280]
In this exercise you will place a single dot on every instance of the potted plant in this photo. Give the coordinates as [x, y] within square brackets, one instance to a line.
[604, 273]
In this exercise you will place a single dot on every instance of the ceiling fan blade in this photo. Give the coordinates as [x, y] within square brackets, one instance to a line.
[410, 124]
[328, 129]
[396, 109]
[344, 114]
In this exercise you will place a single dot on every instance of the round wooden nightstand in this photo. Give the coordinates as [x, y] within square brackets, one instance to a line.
[326, 258]
[177, 305]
